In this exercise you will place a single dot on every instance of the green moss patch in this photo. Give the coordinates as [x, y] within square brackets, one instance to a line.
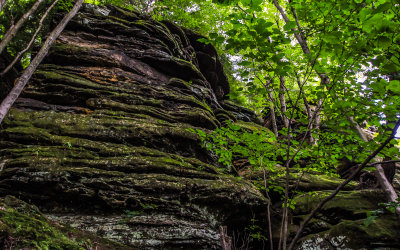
[24, 226]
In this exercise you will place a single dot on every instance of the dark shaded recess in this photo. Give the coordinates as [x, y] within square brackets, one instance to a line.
[7, 80]
[216, 77]
[186, 46]
[389, 169]
[57, 93]
[240, 113]
[365, 178]
[171, 66]
[52, 194]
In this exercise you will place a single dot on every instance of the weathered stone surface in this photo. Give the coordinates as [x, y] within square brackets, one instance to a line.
[23, 226]
[99, 141]
[341, 222]
[99, 138]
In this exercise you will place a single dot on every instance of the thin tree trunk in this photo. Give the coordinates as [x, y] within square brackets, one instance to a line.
[325, 80]
[226, 241]
[2, 3]
[271, 243]
[31, 41]
[357, 128]
[273, 116]
[283, 101]
[28, 72]
[308, 110]
[391, 194]
[271, 98]
[281, 230]
[12, 31]
[301, 41]
[318, 117]
[311, 139]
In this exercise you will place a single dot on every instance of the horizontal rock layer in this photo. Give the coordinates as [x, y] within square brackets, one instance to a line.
[99, 137]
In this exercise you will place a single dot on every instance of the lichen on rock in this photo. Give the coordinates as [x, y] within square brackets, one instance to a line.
[99, 139]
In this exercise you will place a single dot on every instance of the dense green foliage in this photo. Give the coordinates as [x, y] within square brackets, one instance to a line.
[359, 55]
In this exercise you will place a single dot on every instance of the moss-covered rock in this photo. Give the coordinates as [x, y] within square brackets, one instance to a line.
[23, 226]
[99, 140]
[342, 222]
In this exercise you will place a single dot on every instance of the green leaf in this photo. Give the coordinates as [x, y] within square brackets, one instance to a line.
[244, 63]
[332, 37]
[234, 127]
[383, 42]
[203, 40]
[364, 13]
[289, 25]
[383, 7]
[372, 22]
[219, 39]
[369, 220]
[256, 3]
[394, 85]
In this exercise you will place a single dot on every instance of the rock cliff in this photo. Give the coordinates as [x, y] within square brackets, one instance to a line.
[97, 153]
[99, 138]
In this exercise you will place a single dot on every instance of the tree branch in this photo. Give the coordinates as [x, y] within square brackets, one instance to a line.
[344, 183]
[28, 72]
[382, 162]
[12, 31]
[31, 41]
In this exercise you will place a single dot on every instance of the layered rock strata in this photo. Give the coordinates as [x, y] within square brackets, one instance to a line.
[99, 137]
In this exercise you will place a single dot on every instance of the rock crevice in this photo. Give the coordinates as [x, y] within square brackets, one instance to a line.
[99, 137]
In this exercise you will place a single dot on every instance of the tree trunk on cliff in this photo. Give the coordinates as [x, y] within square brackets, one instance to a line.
[385, 184]
[17, 57]
[226, 241]
[28, 72]
[13, 30]
[391, 194]
[334, 193]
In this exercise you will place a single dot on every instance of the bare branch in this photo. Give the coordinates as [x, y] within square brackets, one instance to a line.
[382, 162]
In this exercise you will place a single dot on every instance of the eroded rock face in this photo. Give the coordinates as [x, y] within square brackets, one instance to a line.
[341, 223]
[99, 138]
